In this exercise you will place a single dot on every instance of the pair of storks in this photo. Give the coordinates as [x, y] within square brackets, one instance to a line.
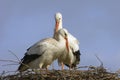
[62, 46]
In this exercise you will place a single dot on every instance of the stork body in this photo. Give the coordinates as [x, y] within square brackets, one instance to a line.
[72, 58]
[44, 52]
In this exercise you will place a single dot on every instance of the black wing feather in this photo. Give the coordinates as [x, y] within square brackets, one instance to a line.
[77, 55]
[27, 59]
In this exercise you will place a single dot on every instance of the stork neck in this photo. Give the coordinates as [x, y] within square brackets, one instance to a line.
[60, 38]
[62, 42]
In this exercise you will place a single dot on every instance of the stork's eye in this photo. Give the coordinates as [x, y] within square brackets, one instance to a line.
[65, 34]
[59, 18]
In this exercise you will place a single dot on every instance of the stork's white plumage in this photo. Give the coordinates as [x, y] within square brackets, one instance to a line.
[44, 52]
[72, 58]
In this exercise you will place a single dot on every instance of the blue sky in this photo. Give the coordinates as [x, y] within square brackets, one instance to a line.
[95, 23]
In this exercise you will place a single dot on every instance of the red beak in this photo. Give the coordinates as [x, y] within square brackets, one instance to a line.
[67, 45]
[56, 26]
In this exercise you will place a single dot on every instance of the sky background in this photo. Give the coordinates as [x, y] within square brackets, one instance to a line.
[95, 23]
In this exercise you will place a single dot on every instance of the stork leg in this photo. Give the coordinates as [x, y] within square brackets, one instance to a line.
[47, 69]
[62, 66]
[70, 65]
[40, 66]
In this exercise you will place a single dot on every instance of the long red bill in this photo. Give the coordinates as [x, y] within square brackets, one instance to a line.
[67, 45]
[56, 26]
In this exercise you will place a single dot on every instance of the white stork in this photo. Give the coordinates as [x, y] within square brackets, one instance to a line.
[72, 58]
[43, 53]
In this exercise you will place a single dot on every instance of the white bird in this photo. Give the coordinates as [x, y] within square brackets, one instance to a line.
[43, 53]
[72, 58]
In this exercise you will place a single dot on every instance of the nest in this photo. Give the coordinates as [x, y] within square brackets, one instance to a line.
[92, 73]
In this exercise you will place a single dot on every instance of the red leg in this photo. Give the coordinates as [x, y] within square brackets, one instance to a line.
[62, 66]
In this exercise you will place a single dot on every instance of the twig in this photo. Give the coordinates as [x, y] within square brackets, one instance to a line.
[20, 61]
[9, 64]
[1, 74]
[5, 72]
[14, 55]
[99, 60]
[10, 61]
[82, 67]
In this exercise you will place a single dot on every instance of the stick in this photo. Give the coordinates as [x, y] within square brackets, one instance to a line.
[82, 67]
[99, 60]
[14, 55]
[10, 61]
[9, 64]
[20, 62]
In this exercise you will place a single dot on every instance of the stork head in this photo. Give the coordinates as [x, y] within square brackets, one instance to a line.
[58, 21]
[64, 34]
